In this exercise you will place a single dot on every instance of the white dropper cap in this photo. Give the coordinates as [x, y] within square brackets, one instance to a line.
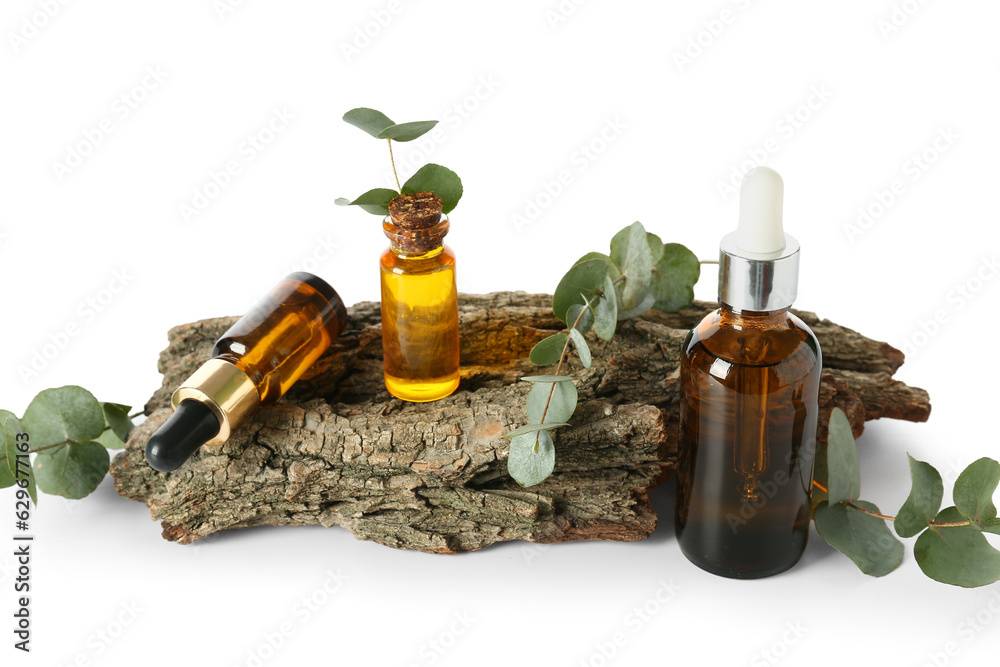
[759, 263]
[760, 230]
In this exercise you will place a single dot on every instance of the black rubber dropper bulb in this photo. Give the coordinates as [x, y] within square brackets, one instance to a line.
[191, 426]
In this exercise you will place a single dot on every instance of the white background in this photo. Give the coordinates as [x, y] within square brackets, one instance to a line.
[841, 97]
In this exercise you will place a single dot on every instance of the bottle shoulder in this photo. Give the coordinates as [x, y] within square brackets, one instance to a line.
[760, 341]
[440, 258]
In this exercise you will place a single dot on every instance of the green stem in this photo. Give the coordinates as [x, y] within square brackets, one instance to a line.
[562, 358]
[939, 524]
[39, 449]
[53, 446]
[393, 160]
[708, 261]
[869, 512]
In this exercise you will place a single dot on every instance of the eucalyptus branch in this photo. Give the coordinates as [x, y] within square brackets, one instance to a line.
[879, 515]
[951, 546]
[393, 161]
[35, 450]
[85, 428]
[640, 273]
[433, 178]
[562, 358]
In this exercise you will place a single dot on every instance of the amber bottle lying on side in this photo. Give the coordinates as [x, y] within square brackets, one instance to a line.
[254, 363]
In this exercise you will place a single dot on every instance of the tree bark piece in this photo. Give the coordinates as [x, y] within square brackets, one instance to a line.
[338, 450]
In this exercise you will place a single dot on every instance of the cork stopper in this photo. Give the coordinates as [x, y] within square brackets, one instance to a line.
[418, 210]
[416, 223]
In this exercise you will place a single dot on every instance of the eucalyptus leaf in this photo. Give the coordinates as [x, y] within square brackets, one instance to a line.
[117, 425]
[10, 426]
[636, 262]
[974, 490]
[63, 414]
[674, 277]
[582, 349]
[548, 350]
[371, 121]
[531, 428]
[547, 378]
[586, 321]
[580, 283]
[606, 311]
[956, 555]
[863, 538]
[407, 131]
[655, 247]
[6, 476]
[437, 179]
[842, 460]
[375, 201]
[72, 471]
[644, 307]
[109, 440]
[614, 271]
[528, 464]
[117, 419]
[924, 501]
[619, 246]
[821, 479]
[561, 405]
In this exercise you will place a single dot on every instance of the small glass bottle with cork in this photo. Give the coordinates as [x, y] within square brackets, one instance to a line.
[420, 344]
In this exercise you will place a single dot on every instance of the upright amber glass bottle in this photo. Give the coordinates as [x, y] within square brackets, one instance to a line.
[419, 301]
[749, 404]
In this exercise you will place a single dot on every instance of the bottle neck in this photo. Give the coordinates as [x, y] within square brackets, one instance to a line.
[403, 253]
[416, 243]
[752, 318]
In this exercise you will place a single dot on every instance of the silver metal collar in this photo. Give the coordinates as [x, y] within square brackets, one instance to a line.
[758, 282]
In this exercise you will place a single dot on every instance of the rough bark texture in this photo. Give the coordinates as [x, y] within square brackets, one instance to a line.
[340, 451]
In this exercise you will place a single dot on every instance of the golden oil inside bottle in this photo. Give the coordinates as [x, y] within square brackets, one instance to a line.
[420, 320]
[281, 337]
